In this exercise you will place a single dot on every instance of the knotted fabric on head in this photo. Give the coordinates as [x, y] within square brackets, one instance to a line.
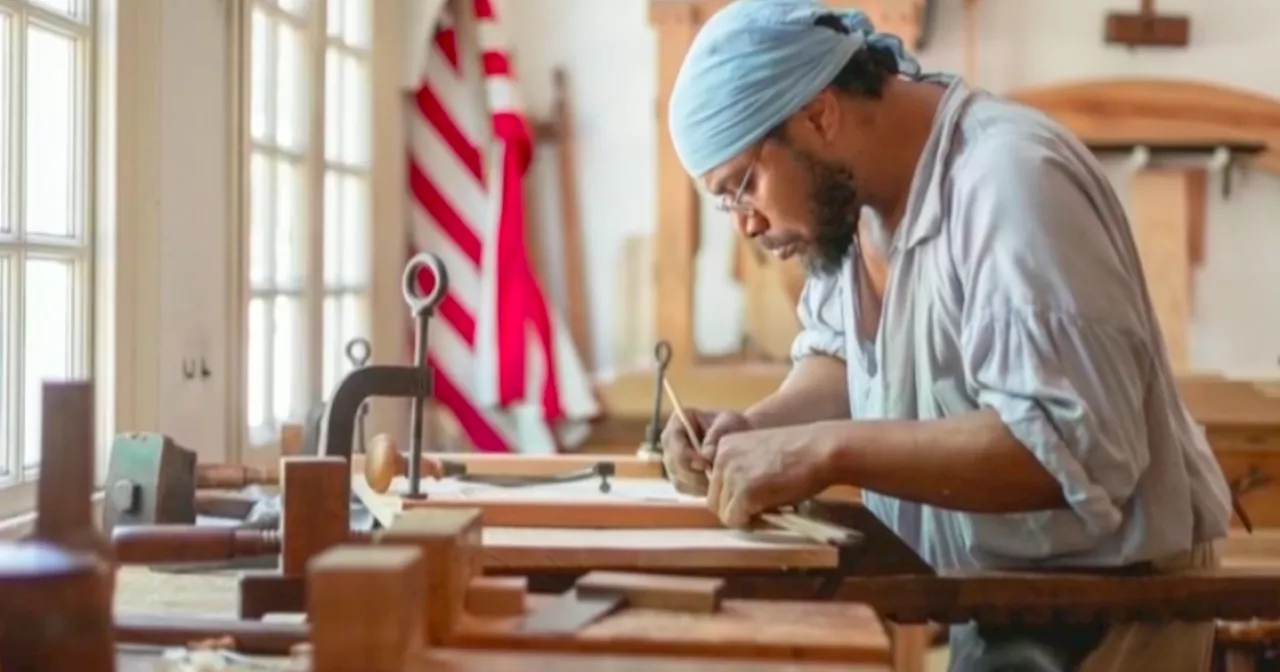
[755, 63]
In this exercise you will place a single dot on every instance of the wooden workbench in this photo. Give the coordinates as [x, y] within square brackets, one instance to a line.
[151, 659]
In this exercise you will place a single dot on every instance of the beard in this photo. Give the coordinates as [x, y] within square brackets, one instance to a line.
[836, 209]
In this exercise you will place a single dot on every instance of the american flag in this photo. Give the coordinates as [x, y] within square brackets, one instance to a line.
[505, 365]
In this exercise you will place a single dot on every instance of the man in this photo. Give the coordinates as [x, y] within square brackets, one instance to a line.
[979, 352]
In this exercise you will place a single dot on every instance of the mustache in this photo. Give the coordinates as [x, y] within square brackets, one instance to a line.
[771, 244]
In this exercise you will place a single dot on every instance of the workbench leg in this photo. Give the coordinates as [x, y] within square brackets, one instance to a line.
[262, 594]
[910, 647]
[1237, 659]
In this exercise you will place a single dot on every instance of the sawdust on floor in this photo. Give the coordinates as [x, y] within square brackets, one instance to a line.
[142, 590]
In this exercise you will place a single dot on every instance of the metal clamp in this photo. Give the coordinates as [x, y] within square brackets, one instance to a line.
[359, 351]
[423, 270]
[604, 470]
[652, 432]
[337, 426]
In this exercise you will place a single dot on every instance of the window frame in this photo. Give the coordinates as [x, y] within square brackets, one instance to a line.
[82, 248]
[249, 442]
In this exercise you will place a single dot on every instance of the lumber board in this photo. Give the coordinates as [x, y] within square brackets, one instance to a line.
[782, 630]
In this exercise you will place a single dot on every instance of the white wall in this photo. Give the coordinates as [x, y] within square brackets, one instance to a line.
[609, 51]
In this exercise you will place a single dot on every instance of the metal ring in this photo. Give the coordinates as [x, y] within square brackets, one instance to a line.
[359, 350]
[662, 353]
[418, 302]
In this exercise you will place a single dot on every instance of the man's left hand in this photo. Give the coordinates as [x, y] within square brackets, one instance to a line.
[756, 471]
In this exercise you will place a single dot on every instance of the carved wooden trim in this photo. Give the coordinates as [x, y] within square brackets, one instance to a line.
[1142, 111]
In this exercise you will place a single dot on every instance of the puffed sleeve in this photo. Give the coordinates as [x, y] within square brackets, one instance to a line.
[1056, 332]
[821, 319]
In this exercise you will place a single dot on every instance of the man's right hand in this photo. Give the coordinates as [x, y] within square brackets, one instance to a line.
[687, 464]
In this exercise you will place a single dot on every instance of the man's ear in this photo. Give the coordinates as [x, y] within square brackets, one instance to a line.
[821, 116]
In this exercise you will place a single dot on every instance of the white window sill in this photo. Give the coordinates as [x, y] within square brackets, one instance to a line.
[18, 526]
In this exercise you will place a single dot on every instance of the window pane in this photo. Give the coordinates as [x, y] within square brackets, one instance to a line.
[333, 346]
[355, 231]
[356, 23]
[51, 129]
[7, 400]
[344, 321]
[6, 160]
[287, 356]
[260, 76]
[334, 17]
[333, 105]
[68, 7]
[295, 7]
[258, 353]
[291, 88]
[260, 206]
[353, 317]
[355, 113]
[47, 341]
[332, 228]
[290, 245]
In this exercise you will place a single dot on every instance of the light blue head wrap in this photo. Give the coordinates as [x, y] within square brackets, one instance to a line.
[755, 63]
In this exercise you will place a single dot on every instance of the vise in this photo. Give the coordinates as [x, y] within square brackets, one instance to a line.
[152, 480]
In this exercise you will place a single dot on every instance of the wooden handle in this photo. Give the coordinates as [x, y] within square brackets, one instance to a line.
[159, 544]
[233, 476]
[383, 463]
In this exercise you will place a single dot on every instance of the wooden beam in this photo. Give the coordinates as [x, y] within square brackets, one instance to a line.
[1161, 227]
[676, 235]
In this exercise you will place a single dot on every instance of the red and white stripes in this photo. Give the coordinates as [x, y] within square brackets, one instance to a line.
[504, 364]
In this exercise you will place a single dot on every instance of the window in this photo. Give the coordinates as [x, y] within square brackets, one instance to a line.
[307, 205]
[46, 251]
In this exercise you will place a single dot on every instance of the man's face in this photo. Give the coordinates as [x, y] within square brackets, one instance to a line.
[792, 203]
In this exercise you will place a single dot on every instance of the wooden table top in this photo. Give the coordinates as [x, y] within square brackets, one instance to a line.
[665, 542]
[146, 659]
[774, 630]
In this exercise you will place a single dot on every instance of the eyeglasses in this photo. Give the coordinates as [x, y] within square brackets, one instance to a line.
[736, 204]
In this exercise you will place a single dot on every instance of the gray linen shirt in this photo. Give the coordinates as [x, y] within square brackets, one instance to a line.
[1015, 285]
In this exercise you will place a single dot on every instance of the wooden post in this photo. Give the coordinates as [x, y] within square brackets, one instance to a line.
[1165, 208]
[365, 608]
[449, 540]
[675, 245]
[316, 509]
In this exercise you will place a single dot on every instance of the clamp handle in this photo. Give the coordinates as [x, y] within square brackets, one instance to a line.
[424, 269]
[359, 351]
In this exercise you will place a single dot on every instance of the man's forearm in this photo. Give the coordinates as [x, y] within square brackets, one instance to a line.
[817, 389]
[969, 462]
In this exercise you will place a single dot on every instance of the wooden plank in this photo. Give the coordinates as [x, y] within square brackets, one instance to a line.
[600, 515]
[489, 596]
[1160, 223]
[694, 594]
[147, 659]
[759, 630]
[513, 548]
